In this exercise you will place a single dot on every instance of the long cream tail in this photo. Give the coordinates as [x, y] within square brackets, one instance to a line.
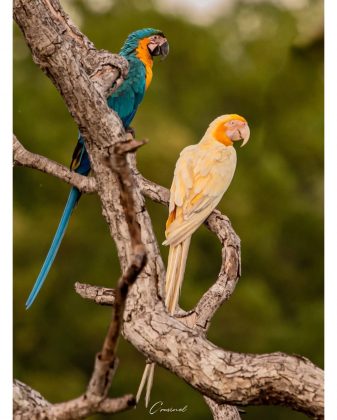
[175, 273]
[174, 278]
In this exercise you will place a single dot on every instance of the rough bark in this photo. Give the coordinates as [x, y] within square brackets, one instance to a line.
[222, 411]
[22, 157]
[101, 295]
[29, 404]
[84, 76]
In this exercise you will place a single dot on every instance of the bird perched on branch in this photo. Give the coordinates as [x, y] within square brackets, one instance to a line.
[202, 175]
[139, 49]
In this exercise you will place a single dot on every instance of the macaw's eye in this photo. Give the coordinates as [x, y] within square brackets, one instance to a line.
[231, 123]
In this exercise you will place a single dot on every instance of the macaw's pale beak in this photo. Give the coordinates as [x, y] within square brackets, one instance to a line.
[158, 46]
[239, 132]
[245, 134]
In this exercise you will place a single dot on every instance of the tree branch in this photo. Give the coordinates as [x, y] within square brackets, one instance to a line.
[249, 379]
[100, 295]
[67, 58]
[206, 308]
[95, 398]
[105, 360]
[224, 376]
[22, 157]
[30, 404]
[230, 270]
[222, 411]
[226, 281]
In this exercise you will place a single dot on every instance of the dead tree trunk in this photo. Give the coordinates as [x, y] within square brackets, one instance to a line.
[84, 77]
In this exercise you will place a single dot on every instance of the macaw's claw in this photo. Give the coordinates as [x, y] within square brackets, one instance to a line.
[131, 132]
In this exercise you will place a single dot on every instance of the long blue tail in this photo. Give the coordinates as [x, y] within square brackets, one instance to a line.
[72, 200]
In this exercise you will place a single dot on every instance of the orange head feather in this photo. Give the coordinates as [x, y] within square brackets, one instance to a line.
[228, 128]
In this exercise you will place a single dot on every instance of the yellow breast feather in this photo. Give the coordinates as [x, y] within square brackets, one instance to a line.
[145, 57]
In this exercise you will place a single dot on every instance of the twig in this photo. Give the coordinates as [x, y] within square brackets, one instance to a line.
[22, 157]
[100, 295]
[120, 166]
[106, 359]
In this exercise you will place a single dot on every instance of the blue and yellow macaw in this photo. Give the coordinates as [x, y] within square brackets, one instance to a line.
[139, 49]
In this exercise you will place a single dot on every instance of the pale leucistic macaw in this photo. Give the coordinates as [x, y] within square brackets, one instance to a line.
[202, 175]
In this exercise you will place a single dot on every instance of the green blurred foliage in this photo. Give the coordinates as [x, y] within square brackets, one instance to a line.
[260, 61]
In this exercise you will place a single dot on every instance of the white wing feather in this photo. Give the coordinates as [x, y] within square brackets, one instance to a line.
[202, 175]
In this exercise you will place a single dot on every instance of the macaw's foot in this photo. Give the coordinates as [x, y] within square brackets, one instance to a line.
[130, 131]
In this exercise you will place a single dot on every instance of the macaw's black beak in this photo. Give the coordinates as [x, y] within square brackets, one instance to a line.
[164, 49]
[159, 48]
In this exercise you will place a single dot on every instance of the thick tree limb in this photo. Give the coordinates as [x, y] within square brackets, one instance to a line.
[224, 376]
[22, 157]
[70, 60]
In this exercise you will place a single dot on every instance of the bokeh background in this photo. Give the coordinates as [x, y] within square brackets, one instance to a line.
[261, 59]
